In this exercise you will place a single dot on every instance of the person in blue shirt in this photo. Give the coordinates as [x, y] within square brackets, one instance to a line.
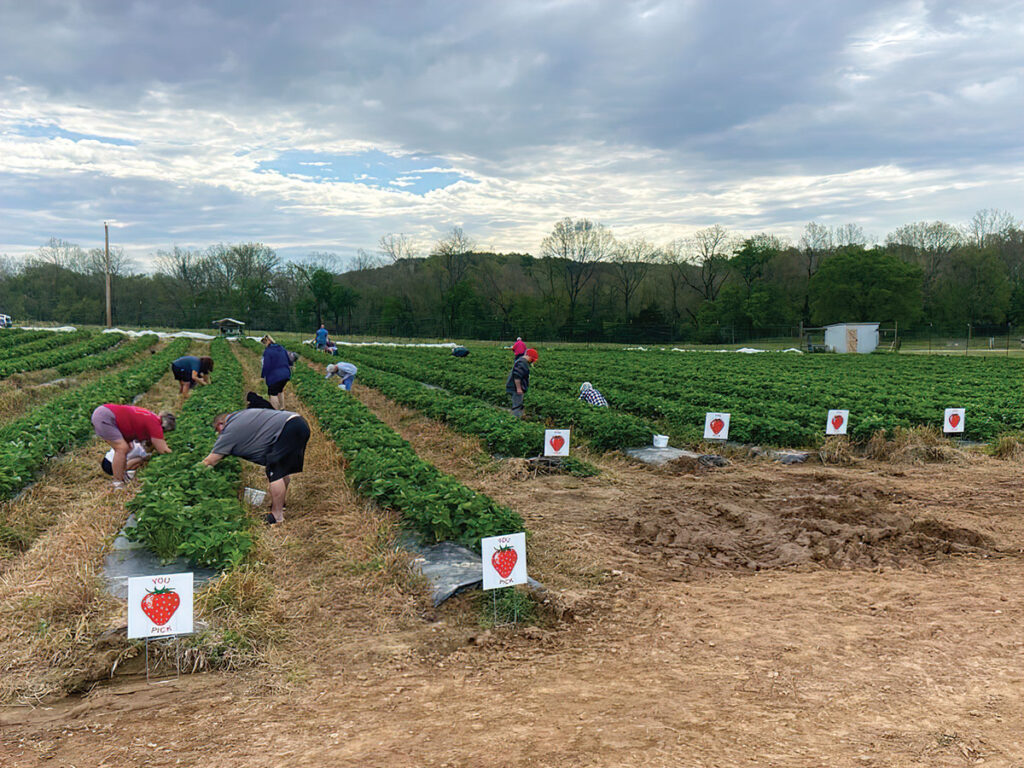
[276, 371]
[321, 338]
[189, 370]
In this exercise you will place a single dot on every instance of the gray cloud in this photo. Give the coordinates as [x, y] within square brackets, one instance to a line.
[658, 115]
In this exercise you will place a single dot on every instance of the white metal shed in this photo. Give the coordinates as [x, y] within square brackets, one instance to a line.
[852, 337]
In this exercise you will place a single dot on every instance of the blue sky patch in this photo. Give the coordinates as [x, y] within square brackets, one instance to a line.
[51, 131]
[409, 173]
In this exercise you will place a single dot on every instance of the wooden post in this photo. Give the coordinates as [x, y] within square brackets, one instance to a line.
[106, 251]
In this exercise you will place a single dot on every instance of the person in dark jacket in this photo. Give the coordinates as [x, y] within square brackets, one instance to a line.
[519, 380]
[276, 371]
[189, 370]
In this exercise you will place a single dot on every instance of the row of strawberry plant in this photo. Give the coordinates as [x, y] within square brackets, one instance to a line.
[49, 340]
[65, 422]
[15, 337]
[110, 357]
[775, 399]
[384, 467]
[184, 508]
[53, 357]
[499, 429]
[605, 429]
[187, 509]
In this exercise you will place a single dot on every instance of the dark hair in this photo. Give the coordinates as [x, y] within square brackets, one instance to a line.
[168, 421]
[205, 364]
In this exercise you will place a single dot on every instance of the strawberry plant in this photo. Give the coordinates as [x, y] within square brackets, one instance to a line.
[108, 358]
[61, 354]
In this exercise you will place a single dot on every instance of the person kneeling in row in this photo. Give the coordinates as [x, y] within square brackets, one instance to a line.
[273, 439]
[137, 456]
[344, 371]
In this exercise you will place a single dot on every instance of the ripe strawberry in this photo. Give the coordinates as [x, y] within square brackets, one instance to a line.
[504, 560]
[160, 605]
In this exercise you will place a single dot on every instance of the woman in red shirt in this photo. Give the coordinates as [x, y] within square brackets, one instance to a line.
[120, 425]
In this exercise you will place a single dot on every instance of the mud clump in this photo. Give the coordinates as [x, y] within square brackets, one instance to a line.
[854, 527]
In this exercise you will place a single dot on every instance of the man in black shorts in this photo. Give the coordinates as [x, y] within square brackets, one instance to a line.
[273, 439]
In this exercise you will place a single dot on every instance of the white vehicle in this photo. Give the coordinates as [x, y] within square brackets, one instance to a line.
[5, 321]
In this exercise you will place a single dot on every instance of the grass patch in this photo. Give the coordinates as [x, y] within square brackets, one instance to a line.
[508, 605]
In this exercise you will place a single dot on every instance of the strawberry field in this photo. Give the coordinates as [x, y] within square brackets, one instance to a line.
[775, 399]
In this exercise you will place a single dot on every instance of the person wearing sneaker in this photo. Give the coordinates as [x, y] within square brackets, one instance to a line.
[136, 457]
[344, 371]
[121, 425]
[273, 439]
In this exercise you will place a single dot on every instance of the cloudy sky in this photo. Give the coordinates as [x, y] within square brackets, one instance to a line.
[320, 125]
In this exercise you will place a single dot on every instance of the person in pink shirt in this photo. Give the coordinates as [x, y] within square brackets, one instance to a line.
[519, 348]
[121, 425]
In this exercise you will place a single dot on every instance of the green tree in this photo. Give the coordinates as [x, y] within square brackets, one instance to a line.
[857, 285]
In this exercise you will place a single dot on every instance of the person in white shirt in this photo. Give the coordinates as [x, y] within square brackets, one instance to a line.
[136, 457]
[344, 371]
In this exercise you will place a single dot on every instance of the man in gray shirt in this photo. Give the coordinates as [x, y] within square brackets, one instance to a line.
[273, 439]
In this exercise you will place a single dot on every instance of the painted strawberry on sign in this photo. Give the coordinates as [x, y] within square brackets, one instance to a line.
[716, 425]
[954, 420]
[504, 560]
[557, 442]
[837, 421]
[160, 605]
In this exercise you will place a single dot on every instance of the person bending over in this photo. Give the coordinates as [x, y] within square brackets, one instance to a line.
[189, 370]
[276, 440]
[121, 425]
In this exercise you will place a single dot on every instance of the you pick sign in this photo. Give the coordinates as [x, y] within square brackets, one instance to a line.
[836, 424]
[556, 442]
[504, 560]
[954, 423]
[160, 606]
[716, 426]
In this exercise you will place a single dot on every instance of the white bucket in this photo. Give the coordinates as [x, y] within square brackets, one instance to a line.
[254, 497]
[661, 441]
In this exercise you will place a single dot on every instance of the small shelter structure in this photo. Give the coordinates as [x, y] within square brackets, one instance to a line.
[860, 338]
[229, 326]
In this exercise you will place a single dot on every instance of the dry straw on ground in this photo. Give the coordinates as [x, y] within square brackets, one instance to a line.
[916, 445]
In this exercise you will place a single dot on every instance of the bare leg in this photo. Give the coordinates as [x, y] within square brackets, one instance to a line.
[117, 466]
[278, 492]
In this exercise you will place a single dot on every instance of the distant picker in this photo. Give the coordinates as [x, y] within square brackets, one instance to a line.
[519, 380]
[189, 370]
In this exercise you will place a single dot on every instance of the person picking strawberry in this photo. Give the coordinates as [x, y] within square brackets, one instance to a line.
[273, 439]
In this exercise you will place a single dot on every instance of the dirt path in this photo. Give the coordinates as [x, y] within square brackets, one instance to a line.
[900, 647]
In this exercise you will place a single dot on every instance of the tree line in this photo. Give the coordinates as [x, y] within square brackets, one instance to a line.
[584, 283]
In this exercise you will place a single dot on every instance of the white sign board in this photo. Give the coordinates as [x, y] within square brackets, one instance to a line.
[716, 426]
[954, 422]
[504, 560]
[556, 442]
[160, 606]
[836, 424]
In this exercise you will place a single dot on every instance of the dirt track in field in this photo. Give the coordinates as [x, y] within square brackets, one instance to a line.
[751, 615]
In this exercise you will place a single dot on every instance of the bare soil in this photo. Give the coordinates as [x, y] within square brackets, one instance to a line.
[750, 615]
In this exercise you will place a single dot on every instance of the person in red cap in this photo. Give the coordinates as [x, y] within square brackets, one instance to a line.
[519, 347]
[519, 380]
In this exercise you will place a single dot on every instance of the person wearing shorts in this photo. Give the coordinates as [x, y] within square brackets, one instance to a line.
[276, 440]
[137, 455]
[189, 370]
[277, 370]
[121, 425]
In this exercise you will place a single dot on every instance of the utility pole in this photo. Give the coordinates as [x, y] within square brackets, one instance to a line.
[106, 252]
